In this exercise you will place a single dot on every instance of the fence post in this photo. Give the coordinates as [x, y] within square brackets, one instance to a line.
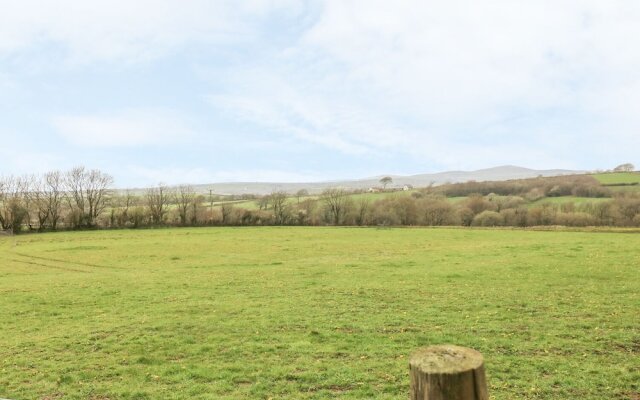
[447, 372]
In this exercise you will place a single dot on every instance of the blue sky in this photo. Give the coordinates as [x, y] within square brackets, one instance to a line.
[209, 91]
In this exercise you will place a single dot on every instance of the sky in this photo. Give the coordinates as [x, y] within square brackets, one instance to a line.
[204, 91]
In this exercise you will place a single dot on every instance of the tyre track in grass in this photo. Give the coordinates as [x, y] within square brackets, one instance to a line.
[57, 260]
[28, 262]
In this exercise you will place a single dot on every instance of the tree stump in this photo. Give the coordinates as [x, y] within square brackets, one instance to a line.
[447, 372]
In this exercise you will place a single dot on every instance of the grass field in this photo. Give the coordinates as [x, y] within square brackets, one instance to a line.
[618, 178]
[315, 313]
[292, 200]
[569, 199]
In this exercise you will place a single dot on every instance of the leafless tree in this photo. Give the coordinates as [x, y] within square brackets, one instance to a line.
[263, 202]
[301, 193]
[195, 205]
[128, 200]
[121, 204]
[363, 205]
[157, 199]
[53, 186]
[336, 202]
[12, 210]
[98, 184]
[6, 194]
[281, 209]
[39, 202]
[185, 198]
[25, 185]
[87, 194]
[225, 211]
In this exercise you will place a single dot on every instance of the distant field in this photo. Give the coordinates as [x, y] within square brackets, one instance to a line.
[570, 199]
[617, 178]
[381, 195]
[315, 313]
[253, 204]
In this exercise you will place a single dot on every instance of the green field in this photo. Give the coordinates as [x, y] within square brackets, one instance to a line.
[293, 200]
[569, 199]
[618, 178]
[315, 313]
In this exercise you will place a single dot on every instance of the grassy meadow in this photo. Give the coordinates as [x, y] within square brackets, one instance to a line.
[315, 313]
[618, 178]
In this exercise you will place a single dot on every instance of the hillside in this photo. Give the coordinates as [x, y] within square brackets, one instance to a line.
[489, 174]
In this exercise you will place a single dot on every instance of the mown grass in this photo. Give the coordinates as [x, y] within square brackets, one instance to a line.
[618, 178]
[315, 313]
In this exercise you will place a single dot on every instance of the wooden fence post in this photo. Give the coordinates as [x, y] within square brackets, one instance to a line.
[447, 372]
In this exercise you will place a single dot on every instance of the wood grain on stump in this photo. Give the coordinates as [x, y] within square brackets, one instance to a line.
[447, 372]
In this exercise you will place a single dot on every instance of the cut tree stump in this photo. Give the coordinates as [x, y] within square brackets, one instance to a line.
[447, 372]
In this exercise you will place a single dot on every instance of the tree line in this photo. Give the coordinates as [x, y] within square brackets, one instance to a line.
[85, 199]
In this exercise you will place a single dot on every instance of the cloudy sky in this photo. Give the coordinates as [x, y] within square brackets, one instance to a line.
[202, 91]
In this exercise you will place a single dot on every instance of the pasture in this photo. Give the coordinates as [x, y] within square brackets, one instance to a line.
[618, 178]
[315, 313]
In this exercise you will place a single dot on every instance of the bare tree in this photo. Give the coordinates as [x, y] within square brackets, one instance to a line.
[39, 201]
[197, 201]
[87, 194]
[25, 185]
[12, 210]
[128, 200]
[363, 206]
[263, 202]
[281, 209]
[53, 195]
[6, 195]
[336, 202]
[225, 210]
[157, 199]
[74, 194]
[301, 193]
[121, 204]
[98, 184]
[185, 198]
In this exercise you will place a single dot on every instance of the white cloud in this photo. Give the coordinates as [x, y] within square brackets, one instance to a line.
[469, 60]
[130, 128]
[16, 160]
[458, 84]
[198, 175]
[124, 30]
[460, 80]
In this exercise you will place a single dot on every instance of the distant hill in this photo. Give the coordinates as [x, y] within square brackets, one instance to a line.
[421, 180]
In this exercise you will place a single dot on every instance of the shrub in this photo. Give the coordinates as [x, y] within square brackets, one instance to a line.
[542, 215]
[477, 204]
[515, 216]
[436, 212]
[575, 219]
[487, 218]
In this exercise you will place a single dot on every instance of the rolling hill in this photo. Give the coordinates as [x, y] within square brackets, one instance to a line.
[420, 180]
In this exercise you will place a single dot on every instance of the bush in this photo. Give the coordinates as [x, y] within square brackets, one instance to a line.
[477, 204]
[487, 218]
[383, 214]
[575, 219]
[465, 215]
[542, 215]
[515, 216]
[436, 212]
